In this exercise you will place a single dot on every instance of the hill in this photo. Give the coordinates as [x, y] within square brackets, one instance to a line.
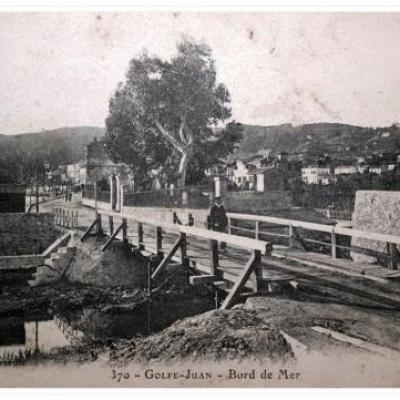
[338, 140]
[20, 153]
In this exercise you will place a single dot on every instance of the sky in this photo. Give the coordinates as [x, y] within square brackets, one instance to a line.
[60, 69]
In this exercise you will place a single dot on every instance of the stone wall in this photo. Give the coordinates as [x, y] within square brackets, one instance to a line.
[18, 262]
[255, 203]
[375, 211]
[22, 233]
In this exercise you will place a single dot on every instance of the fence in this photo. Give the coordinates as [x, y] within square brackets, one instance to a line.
[323, 198]
[88, 191]
[104, 196]
[66, 217]
[192, 197]
[320, 237]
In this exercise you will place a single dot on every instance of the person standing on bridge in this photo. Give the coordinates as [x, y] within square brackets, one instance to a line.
[218, 218]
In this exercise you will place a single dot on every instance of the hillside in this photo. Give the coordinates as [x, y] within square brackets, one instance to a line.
[339, 140]
[19, 153]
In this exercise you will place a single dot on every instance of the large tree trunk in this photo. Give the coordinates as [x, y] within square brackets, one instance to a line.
[184, 146]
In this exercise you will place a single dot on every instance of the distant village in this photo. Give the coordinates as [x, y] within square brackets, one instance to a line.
[259, 172]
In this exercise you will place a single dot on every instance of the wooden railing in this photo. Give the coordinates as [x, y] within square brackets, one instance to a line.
[294, 237]
[184, 232]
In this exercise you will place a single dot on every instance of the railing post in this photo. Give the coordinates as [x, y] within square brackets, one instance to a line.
[140, 236]
[184, 259]
[229, 225]
[257, 229]
[111, 224]
[159, 240]
[214, 258]
[394, 256]
[333, 244]
[291, 236]
[258, 270]
[124, 230]
[208, 222]
[99, 228]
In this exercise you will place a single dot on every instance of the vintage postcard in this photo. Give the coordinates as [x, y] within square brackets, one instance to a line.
[199, 198]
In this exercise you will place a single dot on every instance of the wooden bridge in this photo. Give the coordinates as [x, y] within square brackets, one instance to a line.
[253, 263]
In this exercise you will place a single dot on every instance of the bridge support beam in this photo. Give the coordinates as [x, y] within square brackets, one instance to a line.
[96, 223]
[252, 264]
[112, 237]
[179, 244]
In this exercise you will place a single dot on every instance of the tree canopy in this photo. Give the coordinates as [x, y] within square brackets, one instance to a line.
[170, 116]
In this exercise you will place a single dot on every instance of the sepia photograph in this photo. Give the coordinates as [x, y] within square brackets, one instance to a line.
[199, 199]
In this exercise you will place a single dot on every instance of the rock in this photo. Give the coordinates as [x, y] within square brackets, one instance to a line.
[375, 211]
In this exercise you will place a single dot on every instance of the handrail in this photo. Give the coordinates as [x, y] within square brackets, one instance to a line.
[234, 240]
[380, 237]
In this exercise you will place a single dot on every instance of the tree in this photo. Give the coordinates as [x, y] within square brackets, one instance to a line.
[167, 115]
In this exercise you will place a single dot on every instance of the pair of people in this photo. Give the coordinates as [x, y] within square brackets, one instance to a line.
[218, 218]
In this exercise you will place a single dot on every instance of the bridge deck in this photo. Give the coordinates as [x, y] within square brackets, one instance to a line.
[316, 273]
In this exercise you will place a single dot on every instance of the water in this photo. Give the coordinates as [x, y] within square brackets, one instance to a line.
[17, 334]
[54, 331]
[57, 331]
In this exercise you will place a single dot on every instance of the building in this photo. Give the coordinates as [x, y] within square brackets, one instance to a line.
[378, 169]
[345, 170]
[73, 173]
[270, 179]
[98, 164]
[314, 174]
[363, 168]
[244, 175]
[104, 180]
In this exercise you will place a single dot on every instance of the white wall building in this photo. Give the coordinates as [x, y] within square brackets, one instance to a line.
[314, 175]
[73, 172]
[242, 175]
[345, 170]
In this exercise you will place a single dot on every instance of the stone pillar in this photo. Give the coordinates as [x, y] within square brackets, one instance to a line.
[118, 193]
[112, 189]
[121, 196]
[260, 184]
[220, 185]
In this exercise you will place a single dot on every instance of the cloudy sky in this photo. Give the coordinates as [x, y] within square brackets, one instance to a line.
[59, 69]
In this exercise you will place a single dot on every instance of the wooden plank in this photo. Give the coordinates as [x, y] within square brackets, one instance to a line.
[214, 257]
[240, 282]
[159, 239]
[112, 237]
[233, 240]
[333, 244]
[363, 344]
[140, 236]
[58, 243]
[167, 259]
[238, 241]
[202, 279]
[111, 223]
[340, 230]
[315, 260]
[346, 285]
[87, 232]
[184, 259]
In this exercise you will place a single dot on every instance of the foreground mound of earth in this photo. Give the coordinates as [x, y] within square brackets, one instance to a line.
[215, 335]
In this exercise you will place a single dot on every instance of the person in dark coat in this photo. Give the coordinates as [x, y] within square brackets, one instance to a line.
[218, 218]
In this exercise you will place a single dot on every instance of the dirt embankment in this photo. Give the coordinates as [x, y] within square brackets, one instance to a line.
[213, 336]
